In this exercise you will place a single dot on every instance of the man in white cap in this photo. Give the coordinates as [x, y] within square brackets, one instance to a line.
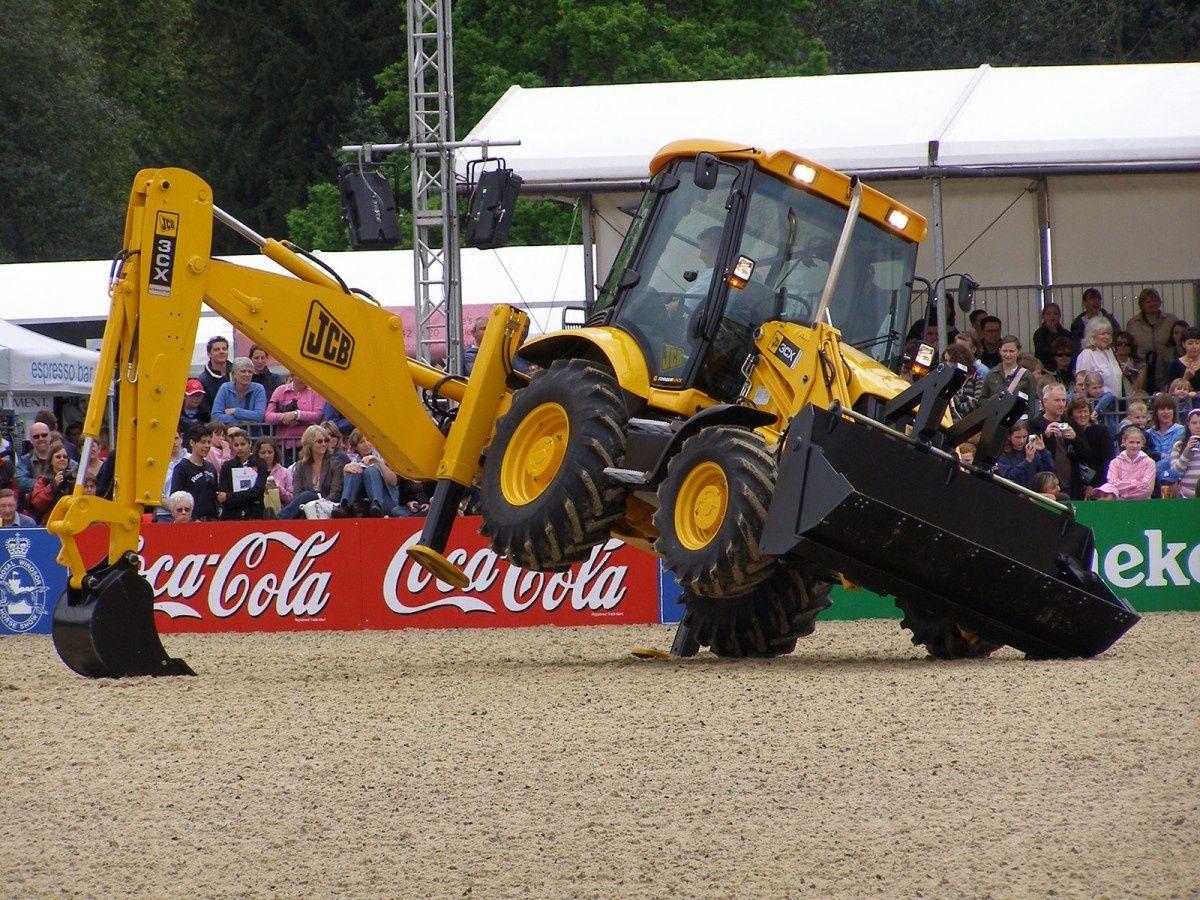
[192, 413]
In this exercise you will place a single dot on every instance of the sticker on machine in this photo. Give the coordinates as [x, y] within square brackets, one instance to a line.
[785, 350]
[162, 262]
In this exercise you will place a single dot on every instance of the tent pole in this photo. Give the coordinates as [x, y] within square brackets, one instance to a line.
[1045, 244]
[939, 250]
[589, 276]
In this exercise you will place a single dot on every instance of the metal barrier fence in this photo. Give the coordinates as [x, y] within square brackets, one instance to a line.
[1019, 307]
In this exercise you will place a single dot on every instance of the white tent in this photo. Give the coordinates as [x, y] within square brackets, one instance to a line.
[31, 363]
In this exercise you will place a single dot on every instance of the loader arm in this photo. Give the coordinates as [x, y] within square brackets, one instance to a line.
[346, 346]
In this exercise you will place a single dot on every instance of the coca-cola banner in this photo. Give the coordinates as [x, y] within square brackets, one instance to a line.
[354, 573]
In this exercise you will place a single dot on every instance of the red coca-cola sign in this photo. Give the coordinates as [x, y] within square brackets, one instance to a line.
[352, 574]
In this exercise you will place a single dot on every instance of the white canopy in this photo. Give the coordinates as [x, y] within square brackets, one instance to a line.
[31, 363]
[1072, 115]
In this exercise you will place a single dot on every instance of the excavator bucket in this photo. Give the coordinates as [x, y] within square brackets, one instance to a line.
[106, 630]
[901, 518]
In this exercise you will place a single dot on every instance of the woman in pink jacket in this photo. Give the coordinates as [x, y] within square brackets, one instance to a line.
[1131, 472]
[292, 408]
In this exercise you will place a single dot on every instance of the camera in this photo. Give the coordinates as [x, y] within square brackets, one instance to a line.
[1032, 439]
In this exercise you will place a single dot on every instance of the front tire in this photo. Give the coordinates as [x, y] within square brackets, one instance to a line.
[546, 501]
[712, 509]
[942, 637]
[765, 622]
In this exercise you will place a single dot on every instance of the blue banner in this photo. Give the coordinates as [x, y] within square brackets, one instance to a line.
[31, 580]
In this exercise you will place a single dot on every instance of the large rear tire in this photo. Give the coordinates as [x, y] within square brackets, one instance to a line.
[712, 509]
[546, 501]
[765, 622]
[942, 637]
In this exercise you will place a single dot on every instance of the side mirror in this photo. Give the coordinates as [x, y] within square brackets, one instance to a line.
[573, 317]
[966, 290]
[705, 175]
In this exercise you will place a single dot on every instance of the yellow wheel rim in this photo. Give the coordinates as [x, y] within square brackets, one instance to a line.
[535, 454]
[700, 506]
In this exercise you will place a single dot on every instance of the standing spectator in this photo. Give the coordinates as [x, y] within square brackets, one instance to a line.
[329, 414]
[1187, 366]
[192, 413]
[315, 473]
[292, 408]
[241, 401]
[1131, 472]
[976, 319]
[215, 373]
[1059, 437]
[1043, 338]
[267, 450]
[1185, 456]
[34, 464]
[1097, 354]
[970, 340]
[242, 481]
[1024, 456]
[1134, 372]
[51, 420]
[1177, 331]
[1093, 307]
[218, 444]
[1164, 431]
[989, 340]
[1009, 375]
[478, 327]
[9, 517]
[73, 434]
[181, 504]
[163, 512]
[967, 397]
[196, 475]
[1062, 349]
[1093, 448]
[262, 371]
[1151, 330]
[53, 485]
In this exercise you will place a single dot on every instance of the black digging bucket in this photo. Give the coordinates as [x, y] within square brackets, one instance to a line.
[903, 520]
[106, 630]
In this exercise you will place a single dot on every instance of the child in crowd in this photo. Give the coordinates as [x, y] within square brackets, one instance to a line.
[1023, 456]
[1185, 397]
[1104, 402]
[219, 451]
[966, 453]
[1131, 473]
[1164, 432]
[1137, 413]
[1185, 456]
[1047, 484]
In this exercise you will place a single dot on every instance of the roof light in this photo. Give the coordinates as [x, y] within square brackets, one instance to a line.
[897, 219]
[804, 172]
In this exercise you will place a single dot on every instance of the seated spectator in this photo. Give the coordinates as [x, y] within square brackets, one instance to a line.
[9, 517]
[266, 450]
[1059, 437]
[1050, 330]
[1093, 308]
[292, 408]
[180, 503]
[1163, 433]
[1137, 413]
[1046, 484]
[1133, 371]
[315, 474]
[1187, 366]
[218, 452]
[242, 481]
[1079, 384]
[1010, 375]
[55, 484]
[162, 513]
[1131, 472]
[192, 413]
[262, 370]
[966, 453]
[196, 475]
[967, 397]
[1024, 456]
[368, 482]
[337, 445]
[1104, 404]
[241, 401]
[1093, 449]
[1062, 367]
[1097, 355]
[1151, 329]
[414, 499]
[1185, 456]
[1185, 397]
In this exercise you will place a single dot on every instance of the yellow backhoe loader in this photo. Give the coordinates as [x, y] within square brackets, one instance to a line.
[730, 406]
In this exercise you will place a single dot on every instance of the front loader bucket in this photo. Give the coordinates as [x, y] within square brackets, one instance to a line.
[903, 520]
[107, 629]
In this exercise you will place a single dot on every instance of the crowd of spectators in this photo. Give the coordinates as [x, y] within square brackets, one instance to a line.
[1112, 412]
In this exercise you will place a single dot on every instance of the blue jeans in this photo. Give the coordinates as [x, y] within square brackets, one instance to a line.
[370, 481]
[292, 510]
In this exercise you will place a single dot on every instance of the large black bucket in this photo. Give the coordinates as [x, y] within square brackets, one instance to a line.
[106, 630]
[904, 520]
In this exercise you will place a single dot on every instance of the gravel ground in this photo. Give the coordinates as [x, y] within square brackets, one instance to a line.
[551, 763]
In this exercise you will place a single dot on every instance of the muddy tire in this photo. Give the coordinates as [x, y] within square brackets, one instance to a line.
[765, 622]
[943, 638]
[712, 508]
[545, 499]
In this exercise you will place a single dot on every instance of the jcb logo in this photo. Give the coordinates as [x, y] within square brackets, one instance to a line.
[326, 339]
[162, 260]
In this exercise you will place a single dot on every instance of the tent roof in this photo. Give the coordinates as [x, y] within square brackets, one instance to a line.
[1072, 115]
[33, 363]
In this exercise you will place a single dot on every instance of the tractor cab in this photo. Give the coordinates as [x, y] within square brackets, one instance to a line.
[718, 246]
